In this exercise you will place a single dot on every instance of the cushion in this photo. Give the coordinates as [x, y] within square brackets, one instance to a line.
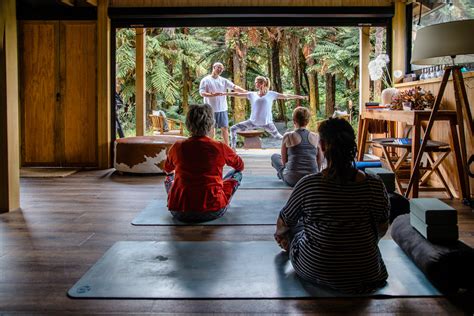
[447, 266]
[143, 154]
[361, 165]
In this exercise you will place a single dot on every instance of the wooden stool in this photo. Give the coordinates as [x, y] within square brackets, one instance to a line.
[389, 144]
[251, 138]
[143, 154]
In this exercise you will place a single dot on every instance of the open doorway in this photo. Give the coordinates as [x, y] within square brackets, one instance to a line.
[320, 60]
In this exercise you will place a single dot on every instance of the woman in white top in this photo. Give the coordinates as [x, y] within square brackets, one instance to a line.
[261, 102]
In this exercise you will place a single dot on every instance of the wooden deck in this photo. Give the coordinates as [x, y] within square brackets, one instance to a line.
[66, 225]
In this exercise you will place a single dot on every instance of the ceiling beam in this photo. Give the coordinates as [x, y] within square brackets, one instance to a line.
[67, 2]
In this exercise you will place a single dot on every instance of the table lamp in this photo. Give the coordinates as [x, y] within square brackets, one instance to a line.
[441, 44]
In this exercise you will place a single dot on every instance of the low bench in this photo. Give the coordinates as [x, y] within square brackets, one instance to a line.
[251, 138]
[143, 154]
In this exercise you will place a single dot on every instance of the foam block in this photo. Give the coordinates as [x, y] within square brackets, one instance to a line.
[435, 233]
[433, 211]
[387, 176]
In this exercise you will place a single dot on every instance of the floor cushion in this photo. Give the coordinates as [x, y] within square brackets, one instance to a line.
[448, 266]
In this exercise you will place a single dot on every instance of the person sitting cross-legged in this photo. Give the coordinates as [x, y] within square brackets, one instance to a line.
[196, 190]
[300, 154]
[333, 220]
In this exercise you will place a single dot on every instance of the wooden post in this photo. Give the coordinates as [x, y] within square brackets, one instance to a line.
[140, 95]
[364, 84]
[103, 85]
[9, 116]
[399, 37]
[364, 80]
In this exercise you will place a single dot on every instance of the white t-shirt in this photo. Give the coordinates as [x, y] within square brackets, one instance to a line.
[261, 107]
[219, 84]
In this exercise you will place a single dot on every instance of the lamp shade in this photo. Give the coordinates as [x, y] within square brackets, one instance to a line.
[435, 44]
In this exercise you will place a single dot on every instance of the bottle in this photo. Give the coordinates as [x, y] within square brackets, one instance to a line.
[423, 74]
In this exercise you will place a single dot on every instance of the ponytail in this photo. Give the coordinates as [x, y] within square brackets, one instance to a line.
[341, 148]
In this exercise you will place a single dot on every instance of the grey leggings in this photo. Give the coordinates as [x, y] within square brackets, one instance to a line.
[248, 124]
[288, 177]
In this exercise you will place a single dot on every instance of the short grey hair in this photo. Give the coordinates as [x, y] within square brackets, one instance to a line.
[200, 119]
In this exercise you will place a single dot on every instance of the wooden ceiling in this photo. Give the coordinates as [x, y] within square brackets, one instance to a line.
[249, 3]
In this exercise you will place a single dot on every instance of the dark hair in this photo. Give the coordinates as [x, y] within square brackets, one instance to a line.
[200, 119]
[341, 148]
[301, 115]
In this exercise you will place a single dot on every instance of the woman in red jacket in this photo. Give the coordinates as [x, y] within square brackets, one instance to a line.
[196, 190]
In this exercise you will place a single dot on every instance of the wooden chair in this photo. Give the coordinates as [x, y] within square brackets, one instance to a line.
[175, 127]
[396, 163]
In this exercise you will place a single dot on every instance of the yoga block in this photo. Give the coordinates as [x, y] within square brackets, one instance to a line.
[387, 176]
[433, 211]
[399, 205]
[448, 267]
[435, 233]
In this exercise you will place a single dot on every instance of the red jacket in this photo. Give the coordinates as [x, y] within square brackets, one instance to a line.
[198, 184]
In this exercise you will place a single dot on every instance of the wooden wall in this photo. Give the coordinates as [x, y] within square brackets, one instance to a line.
[58, 99]
[9, 122]
[441, 130]
[39, 63]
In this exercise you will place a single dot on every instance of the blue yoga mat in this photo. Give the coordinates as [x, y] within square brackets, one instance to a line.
[223, 270]
[245, 209]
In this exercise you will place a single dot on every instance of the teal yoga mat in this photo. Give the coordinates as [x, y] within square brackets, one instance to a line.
[246, 208]
[223, 270]
[269, 182]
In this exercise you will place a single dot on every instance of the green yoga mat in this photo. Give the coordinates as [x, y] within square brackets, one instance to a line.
[223, 270]
[246, 208]
[269, 182]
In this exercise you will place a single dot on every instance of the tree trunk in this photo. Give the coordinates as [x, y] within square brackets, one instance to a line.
[330, 93]
[186, 87]
[303, 75]
[348, 88]
[293, 45]
[230, 67]
[378, 50]
[240, 66]
[269, 65]
[313, 93]
[277, 85]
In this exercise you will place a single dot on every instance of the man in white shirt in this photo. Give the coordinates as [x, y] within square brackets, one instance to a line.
[213, 88]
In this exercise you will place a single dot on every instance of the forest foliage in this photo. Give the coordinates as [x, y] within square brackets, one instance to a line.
[319, 62]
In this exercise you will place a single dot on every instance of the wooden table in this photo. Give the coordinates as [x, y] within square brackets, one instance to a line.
[415, 118]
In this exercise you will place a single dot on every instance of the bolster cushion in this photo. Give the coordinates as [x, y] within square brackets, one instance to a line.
[448, 266]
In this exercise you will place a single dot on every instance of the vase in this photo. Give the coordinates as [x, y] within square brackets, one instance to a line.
[388, 94]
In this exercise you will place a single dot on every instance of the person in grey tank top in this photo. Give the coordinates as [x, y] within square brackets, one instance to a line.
[300, 154]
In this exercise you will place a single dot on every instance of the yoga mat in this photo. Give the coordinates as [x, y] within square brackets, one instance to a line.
[46, 172]
[223, 270]
[262, 182]
[244, 209]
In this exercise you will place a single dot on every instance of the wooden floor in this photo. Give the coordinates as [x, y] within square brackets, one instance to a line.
[66, 225]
